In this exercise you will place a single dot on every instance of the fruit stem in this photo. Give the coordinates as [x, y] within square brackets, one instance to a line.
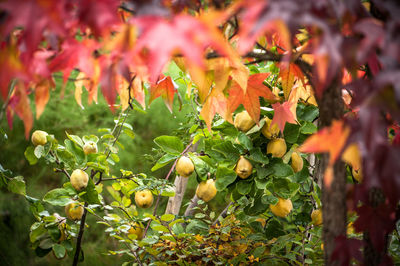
[80, 235]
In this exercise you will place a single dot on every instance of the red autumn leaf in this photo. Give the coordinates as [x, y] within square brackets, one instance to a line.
[164, 88]
[75, 54]
[35, 17]
[257, 24]
[250, 98]
[19, 103]
[283, 114]
[346, 249]
[216, 102]
[99, 15]
[182, 34]
[109, 81]
[331, 139]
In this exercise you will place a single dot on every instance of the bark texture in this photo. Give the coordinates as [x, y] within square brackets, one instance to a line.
[175, 202]
[333, 197]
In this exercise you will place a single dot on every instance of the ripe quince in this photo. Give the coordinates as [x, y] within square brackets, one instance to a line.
[90, 147]
[297, 162]
[243, 168]
[282, 208]
[277, 147]
[74, 211]
[144, 199]
[184, 166]
[243, 121]
[136, 229]
[268, 130]
[79, 179]
[316, 217]
[39, 137]
[206, 190]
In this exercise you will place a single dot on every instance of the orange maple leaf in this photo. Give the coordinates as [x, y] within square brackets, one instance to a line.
[216, 102]
[19, 103]
[42, 96]
[250, 97]
[288, 72]
[331, 139]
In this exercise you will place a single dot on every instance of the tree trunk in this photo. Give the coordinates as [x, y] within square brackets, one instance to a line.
[333, 197]
[175, 202]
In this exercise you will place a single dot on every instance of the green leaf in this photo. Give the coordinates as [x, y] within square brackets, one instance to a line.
[245, 141]
[114, 157]
[57, 197]
[167, 217]
[307, 113]
[129, 133]
[225, 177]
[159, 227]
[114, 194]
[17, 185]
[302, 176]
[308, 128]
[201, 167]
[30, 155]
[284, 188]
[39, 151]
[67, 158]
[75, 150]
[37, 230]
[243, 187]
[90, 194]
[225, 128]
[170, 144]
[168, 192]
[258, 156]
[126, 201]
[163, 161]
[228, 150]
[256, 208]
[59, 251]
[291, 132]
[93, 138]
[76, 139]
[268, 199]
[280, 169]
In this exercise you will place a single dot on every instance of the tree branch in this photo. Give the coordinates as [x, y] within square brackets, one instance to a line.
[193, 203]
[223, 214]
[80, 235]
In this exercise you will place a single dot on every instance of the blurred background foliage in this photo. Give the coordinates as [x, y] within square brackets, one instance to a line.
[64, 114]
